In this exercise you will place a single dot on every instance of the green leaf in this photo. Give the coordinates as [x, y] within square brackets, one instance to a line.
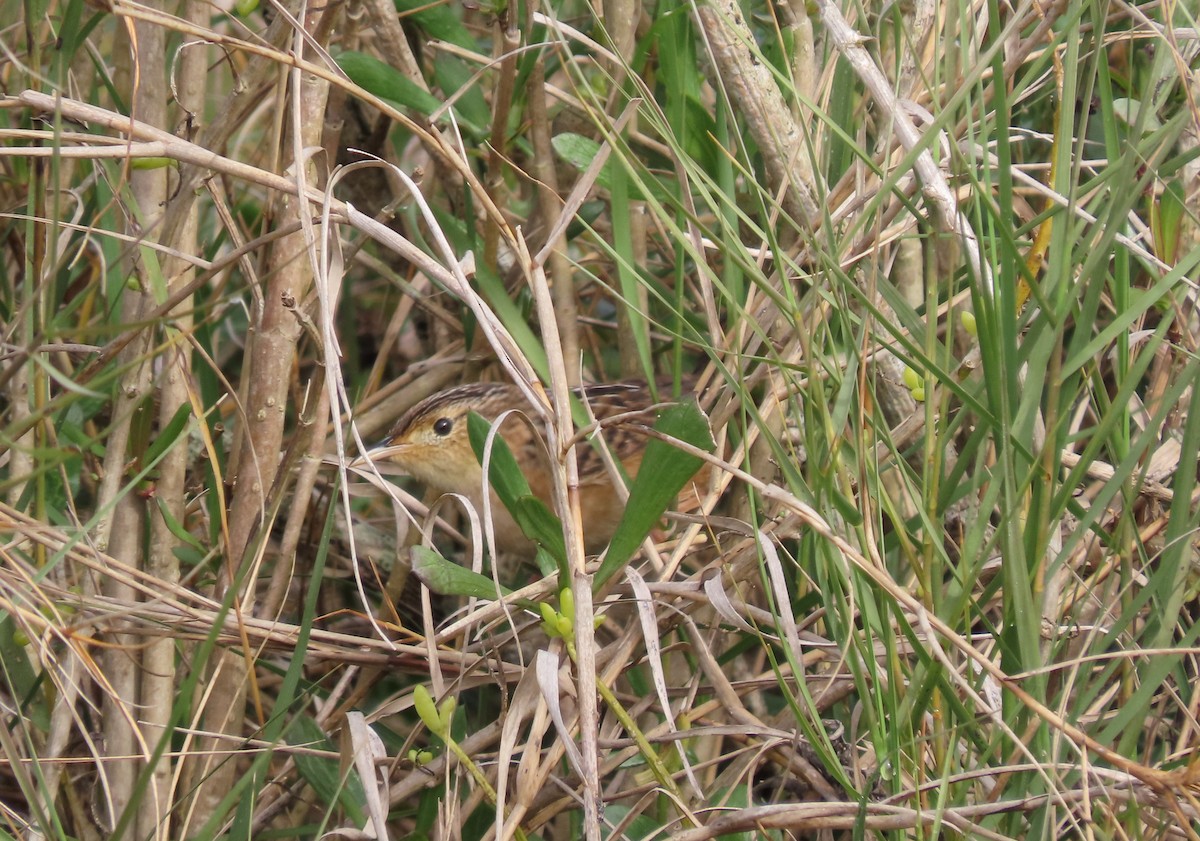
[72, 34]
[20, 679]
[580, 151]
[664, 472]
[439, 21]
[325, 774]
[641, 828]
[456, 77]
[189, 556]
[386, 82]
[540, 525]
[176, 528]
[546, 563]
[449, 579]
[505, 474]
[168, 435]
[846, 506]
[514, 319]
[1166, 219]
[534, 517]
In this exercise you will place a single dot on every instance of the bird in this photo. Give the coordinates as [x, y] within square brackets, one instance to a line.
[431, 444]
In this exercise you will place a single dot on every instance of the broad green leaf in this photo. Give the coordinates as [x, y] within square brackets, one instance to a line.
[439, 21]
[449, 579]
[540, 525]
[580, 151]
[461, 82]
[386, 82]
[506, 477]
[536, 520]
[189, 556]
[664, 472]
[546, 563]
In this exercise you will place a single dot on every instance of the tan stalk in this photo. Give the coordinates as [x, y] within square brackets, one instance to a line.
[271, 350]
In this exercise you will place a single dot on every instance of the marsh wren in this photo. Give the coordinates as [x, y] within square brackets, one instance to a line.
[431, 444]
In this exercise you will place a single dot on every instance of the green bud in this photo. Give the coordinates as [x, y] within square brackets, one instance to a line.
[426, 709]
[968, 323]
[912, 380]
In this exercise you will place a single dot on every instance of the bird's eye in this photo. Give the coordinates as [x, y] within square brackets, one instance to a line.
[442, 426]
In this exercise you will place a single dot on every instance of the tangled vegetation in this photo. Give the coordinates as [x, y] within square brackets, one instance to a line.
[929, 268]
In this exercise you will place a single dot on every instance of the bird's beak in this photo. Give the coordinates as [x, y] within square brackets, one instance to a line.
[377, 454]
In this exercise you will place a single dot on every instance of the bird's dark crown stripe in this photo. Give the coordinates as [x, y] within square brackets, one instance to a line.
[454, 397]
[443, 400]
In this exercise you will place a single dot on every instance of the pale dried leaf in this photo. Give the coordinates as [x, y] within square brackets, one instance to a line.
[368, 748]
[547, 675]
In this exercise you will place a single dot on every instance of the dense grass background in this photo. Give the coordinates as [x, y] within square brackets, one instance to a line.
[932, 264]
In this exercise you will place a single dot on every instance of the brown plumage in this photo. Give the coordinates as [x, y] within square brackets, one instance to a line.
[431, 444]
